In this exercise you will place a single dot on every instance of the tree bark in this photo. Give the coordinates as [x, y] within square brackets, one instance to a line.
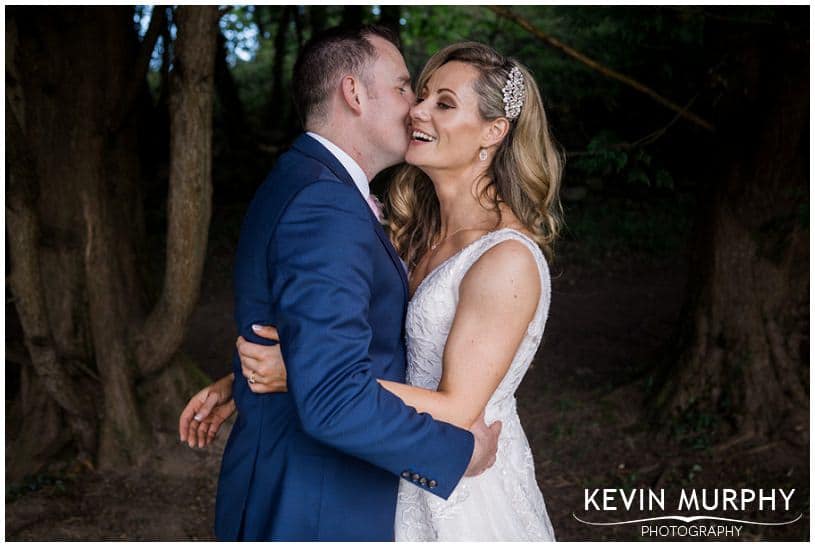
[26, 282]
[189, 204]
[122, 426]
[75, 225]
[277, 107]
[745, 342]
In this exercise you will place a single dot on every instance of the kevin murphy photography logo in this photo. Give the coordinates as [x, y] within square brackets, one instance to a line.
[705, 505]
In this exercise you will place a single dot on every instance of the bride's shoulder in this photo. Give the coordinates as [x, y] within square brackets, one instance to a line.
[516, 247]
[508, 266]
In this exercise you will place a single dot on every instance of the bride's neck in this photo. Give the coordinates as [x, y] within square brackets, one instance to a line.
[459, 205]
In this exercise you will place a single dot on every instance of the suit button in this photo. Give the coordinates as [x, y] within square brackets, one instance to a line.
[432, 483]
[406, 474]
[423, 481]
[415, 477]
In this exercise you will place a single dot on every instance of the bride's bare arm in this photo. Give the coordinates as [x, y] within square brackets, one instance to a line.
[497, 299]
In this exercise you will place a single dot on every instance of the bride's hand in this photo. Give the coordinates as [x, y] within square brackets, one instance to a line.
[262, 366]
[485, 448]
[206, 412]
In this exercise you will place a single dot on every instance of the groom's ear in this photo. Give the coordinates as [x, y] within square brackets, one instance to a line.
[494, 132]
[351, 92]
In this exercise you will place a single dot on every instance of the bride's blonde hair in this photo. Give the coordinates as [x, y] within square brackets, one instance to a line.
[525, 173]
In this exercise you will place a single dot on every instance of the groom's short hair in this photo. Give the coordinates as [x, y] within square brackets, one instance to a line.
[326, 57]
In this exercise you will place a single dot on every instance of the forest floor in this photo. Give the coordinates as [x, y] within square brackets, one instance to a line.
[613, 313]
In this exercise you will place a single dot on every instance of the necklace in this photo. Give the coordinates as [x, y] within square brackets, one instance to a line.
[433, 247]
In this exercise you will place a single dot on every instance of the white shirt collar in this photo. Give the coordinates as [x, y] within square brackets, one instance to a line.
[353, 168]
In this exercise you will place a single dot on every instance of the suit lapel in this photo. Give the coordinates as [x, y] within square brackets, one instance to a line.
[386, 242]
[310, 147]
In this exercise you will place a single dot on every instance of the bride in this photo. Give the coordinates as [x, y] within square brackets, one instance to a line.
[469, 214]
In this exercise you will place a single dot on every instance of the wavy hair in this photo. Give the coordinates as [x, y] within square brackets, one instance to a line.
[524, 174]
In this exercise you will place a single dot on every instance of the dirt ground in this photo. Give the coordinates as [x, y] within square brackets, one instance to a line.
[581, 404]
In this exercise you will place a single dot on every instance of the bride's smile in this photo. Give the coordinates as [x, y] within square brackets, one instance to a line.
[446, 128]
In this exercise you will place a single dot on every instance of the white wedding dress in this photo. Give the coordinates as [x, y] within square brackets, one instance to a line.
[504, 503]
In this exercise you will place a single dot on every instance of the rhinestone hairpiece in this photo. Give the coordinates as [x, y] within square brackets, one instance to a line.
[514, 93]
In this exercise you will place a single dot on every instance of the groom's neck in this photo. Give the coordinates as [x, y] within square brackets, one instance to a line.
[350, 141]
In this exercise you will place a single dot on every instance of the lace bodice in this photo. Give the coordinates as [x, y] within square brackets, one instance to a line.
[504, 503]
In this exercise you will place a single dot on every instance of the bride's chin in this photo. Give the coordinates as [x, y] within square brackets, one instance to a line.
[421, 166]
[411, 159]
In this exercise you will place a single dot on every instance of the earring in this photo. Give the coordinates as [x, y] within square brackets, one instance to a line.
[483, 154]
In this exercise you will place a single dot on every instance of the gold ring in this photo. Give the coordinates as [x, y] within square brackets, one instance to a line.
[252, 378]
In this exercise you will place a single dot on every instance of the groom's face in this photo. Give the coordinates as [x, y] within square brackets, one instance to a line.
[390, 97]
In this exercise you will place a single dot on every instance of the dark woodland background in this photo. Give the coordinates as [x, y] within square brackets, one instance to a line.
[677, 348]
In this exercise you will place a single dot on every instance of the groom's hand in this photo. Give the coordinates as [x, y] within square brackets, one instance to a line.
[262, 366]
[486, 446]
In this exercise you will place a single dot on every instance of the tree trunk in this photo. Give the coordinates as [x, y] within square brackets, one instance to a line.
[26, 282]
[232, 116]
[389, 16]
[277, 106]
[297, 14]
[318, 17]
[745, 343]
[352, 15]
[75, 225]
[189, 204]
[56, 59]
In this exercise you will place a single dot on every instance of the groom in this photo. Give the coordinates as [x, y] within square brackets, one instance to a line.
[323, 461]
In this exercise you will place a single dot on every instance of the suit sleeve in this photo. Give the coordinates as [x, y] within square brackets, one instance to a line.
[321, 263]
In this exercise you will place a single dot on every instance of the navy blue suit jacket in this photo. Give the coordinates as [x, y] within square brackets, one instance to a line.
[323, 461]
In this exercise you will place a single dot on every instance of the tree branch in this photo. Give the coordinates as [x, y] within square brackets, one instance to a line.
[189, 203]
[158, 21]
[699, 11]
[650, 138]
[596, 66]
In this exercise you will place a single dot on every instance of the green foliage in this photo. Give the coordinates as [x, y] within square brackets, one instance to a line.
[240, 29]
[590, 113]
[693, 471]
[661, 46]
[605, 157]
[601, 123]
[429, 28]
[602, 157]
[253, 72]
[605, 127]
[599, 228]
